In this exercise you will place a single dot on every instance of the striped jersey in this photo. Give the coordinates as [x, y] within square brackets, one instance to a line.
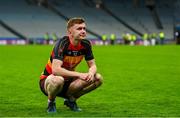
[69, 54]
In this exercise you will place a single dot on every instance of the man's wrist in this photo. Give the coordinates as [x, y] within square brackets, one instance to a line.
[91, 73]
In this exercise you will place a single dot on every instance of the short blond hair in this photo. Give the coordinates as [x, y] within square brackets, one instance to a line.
[76, 20]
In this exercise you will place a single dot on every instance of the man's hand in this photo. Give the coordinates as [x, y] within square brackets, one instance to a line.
[83, 76]
[89, 77]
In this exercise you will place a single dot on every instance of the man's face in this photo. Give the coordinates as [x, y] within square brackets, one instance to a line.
[78, 31]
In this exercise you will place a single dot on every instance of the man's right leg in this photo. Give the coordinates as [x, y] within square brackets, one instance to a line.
[53, 85]
[80, 87]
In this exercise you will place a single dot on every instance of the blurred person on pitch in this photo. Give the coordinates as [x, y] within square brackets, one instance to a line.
[59, 78]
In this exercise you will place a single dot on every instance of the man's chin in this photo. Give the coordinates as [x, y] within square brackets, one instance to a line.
[81, 38]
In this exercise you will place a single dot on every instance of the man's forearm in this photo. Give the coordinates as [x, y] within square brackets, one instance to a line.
[93, 69]
[65, 73]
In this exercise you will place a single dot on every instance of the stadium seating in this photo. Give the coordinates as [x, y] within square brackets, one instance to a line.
[34, 21]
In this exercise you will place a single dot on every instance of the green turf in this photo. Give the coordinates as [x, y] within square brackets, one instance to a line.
[138, 81]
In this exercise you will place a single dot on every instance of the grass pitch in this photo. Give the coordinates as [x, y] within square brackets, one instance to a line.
[138, 81]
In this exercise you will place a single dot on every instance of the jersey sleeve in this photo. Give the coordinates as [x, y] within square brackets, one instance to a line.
[59, 50]
[88, 53]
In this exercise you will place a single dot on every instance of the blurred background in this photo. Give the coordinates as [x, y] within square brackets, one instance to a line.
[131, 22]
[139, 81]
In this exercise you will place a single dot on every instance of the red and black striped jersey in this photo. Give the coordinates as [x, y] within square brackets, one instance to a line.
[69, 54]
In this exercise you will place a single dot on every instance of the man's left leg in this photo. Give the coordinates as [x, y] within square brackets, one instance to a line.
[80, 87]
[98, 81]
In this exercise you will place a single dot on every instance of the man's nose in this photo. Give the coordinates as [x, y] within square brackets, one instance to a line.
[83, 31]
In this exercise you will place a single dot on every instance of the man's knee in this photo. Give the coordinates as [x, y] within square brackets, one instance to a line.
[98, 79]
[78, 84]
[55, 81]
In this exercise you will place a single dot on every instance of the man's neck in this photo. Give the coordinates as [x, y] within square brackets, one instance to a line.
[75, 42]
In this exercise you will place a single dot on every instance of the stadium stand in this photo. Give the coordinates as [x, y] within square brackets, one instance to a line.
[34, 20]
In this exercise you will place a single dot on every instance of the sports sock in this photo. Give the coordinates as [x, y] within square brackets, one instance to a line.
[51, 100]
[71, 99]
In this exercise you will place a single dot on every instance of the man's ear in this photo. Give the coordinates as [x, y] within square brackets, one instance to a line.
[69, 31]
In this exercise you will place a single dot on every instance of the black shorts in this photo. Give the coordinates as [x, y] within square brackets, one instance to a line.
[60, 94]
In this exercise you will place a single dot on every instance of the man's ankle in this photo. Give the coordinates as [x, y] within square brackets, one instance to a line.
[51, 100]
[72, 99]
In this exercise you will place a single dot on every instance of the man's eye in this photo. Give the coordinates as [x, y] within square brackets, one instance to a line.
[81, 28]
